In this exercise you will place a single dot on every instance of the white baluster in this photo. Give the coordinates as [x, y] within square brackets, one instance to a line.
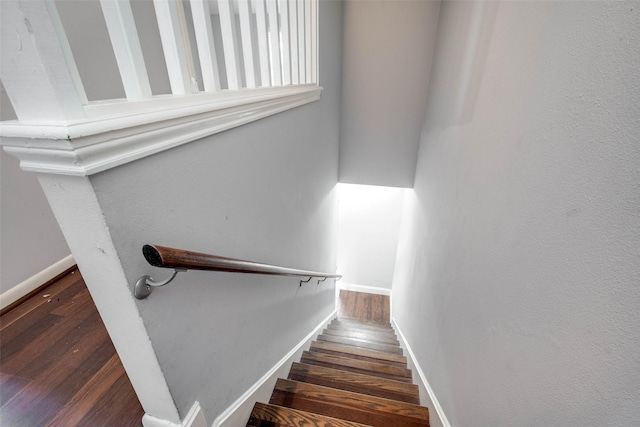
[286, 51]
[206, 47]
[126, 46]
[307, 40]
[293, 32]
[230, 43]
[274, 33]
[263, 43]
[176, 46]
[301, 42]
[247, 42]
[314, 41]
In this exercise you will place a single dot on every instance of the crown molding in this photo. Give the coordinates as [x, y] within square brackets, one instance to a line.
[122, 133]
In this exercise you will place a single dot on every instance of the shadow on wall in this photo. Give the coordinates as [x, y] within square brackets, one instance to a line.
[462, 46]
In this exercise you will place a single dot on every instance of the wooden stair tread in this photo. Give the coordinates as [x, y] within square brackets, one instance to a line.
[344, 350]
[374, 337]
[349, 327]
[362, 323]
[361, 343]
[375, 411]
[356, 323]
[265, 414]
[358, 366]
[355, 382]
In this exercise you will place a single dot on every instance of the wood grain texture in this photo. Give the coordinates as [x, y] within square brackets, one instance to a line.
[357, 383]
[58, 365]
[267, 415]
[337, 325]
[349, 406]
[161, 256]
[36, 291]
[362, 324]
[357, 353]
[372, 345]
[357, 366]
[359, 325]
[363, 306]
[362, 335]
[39, 304]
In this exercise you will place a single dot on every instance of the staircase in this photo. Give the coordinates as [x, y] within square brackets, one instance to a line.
[354, 375]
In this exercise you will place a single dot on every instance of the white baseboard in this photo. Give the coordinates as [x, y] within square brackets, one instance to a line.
[363, 288]
[238, 413]
[195, 418]
[427, 396]
[34, 282]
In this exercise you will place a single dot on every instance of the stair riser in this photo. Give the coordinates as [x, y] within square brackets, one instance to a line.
[363, 336]
[384, 333]
[360, 343]
[365, 416]
[359, 371]
[357, 357]
[365, 368]
[357, 383]
[350, 351]
[266, 415]
[362, 324]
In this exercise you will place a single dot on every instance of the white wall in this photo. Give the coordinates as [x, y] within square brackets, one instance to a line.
[518, 270]
[388, 46]
[30, 237]
[265, 192]
[368, 227]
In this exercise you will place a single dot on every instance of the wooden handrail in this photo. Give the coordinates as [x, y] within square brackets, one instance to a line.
[181, 260]
[161, 256]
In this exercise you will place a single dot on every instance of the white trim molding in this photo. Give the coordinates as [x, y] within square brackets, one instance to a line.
[238, 413]
[430, 400]
[118, 133]
[23, 288]
[194, 418]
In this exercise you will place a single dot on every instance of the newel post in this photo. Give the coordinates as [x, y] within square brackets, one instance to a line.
[37, 67]
[41, 79]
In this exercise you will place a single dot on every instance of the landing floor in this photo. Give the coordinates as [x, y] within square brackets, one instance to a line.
[58, 366]
[363, 306]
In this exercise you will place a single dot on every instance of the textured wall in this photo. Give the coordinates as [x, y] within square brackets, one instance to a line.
[388, 46]
[518, 277]
[265, 192]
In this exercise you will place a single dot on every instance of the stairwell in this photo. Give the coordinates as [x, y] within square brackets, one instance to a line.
[354, 374]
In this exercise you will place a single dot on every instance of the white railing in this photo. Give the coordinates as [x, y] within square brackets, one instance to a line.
[227, 62]
[264, 43]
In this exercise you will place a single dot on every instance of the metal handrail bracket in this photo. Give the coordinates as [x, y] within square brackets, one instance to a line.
[145, 284]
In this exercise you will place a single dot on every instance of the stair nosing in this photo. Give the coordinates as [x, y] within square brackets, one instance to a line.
[390, 340]
[360, 351]
[403, 374]
[390, 348]
[384, 385]
[324, 418]
[301, 388]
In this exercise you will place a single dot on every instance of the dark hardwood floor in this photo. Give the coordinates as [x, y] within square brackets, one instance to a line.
[370, 307]
[58, 366]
